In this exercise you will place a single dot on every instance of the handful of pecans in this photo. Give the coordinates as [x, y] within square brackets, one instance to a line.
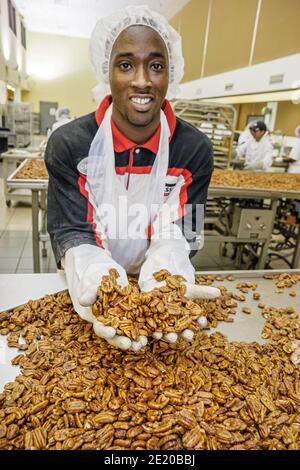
[134, 313]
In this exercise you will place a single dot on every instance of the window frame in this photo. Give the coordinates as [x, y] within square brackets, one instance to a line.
[23, 35]
[12, 22]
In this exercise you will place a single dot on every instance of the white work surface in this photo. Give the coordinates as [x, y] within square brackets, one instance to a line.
[17, 289]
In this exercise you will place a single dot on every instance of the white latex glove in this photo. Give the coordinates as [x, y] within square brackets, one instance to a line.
[254, 166]
[173, 255]
[84, 266]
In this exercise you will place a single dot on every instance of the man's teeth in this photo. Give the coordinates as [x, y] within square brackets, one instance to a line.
[141, 100]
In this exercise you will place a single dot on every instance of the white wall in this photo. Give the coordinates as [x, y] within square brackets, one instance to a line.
[60, 70]
[12, 49]
[247, 80]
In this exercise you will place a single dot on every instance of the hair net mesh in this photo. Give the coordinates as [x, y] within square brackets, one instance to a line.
[109, 28]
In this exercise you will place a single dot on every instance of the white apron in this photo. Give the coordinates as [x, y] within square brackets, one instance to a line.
[125, 237]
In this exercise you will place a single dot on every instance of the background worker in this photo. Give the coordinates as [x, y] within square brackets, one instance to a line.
[62, 116]
[258, 148]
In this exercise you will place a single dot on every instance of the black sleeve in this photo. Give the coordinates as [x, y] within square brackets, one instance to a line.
[67, 208]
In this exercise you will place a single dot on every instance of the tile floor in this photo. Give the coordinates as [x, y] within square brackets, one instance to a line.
[16, 239]
[16, 244]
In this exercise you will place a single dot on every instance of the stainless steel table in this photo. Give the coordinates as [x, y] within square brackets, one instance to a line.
[274, 196]
[17, 289]
[38, 189]
[16, 156]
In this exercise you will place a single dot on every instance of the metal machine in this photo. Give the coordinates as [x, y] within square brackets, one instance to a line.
[245, 222]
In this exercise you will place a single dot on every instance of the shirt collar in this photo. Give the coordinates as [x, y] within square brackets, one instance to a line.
[121, 142]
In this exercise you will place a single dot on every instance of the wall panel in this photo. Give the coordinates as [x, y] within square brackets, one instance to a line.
[288, 117]
[278, 31]
[247, 109]
[190, 22]
[230, 35]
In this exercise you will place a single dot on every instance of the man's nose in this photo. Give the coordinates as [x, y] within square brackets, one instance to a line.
[141, 78]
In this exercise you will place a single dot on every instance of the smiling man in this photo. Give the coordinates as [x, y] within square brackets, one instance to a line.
[126, 183]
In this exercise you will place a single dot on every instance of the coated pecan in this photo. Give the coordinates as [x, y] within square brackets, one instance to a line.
[192, 437]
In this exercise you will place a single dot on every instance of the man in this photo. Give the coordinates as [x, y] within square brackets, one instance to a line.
[244, 137]
[62, 116]
[258, 149]
[132, 155]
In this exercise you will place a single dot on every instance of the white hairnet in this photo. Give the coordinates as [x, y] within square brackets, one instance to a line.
[109, 28]
[297, 131]
[60, 112]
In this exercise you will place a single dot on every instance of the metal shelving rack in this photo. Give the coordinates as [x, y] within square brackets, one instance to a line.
[19, 121]
[217, 121]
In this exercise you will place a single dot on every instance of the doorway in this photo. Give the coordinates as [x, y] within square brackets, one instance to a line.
[47, 115]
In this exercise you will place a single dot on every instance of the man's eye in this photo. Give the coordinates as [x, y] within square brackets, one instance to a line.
[125, 66]
[157, 67]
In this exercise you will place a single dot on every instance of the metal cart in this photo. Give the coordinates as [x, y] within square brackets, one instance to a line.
[16, 156]
[38, 195]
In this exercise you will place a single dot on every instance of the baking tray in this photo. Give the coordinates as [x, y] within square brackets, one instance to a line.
[13, 182]
[16, 153]
[233, 192]
[245, 327]
[247, 191]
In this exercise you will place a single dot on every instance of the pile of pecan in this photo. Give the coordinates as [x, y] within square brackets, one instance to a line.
[255, 180]
[33, 170]
[283, 280]
[134, 313]
[75, 391]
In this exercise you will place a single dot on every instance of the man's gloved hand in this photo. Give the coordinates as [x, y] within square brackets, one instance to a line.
[254, 166]
[193, 291]
[173, 255]
[85, 265]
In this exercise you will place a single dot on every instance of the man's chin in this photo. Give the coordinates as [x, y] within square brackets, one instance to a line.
[141, 121]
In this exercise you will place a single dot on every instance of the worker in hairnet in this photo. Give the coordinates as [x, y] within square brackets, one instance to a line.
[238, 160]
[244, 137]
[294, 157]
[123, 179]
[258, 148]
[62, 116]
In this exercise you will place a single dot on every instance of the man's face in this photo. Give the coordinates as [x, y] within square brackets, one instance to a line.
[257, 134]
[139, 75]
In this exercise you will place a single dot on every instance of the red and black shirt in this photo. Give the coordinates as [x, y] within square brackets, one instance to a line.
[70, 214]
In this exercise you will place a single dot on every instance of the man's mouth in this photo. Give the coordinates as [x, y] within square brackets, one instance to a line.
[141, 103]
[141, 100]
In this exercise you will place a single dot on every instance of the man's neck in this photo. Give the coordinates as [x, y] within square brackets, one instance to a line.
[136, 134]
